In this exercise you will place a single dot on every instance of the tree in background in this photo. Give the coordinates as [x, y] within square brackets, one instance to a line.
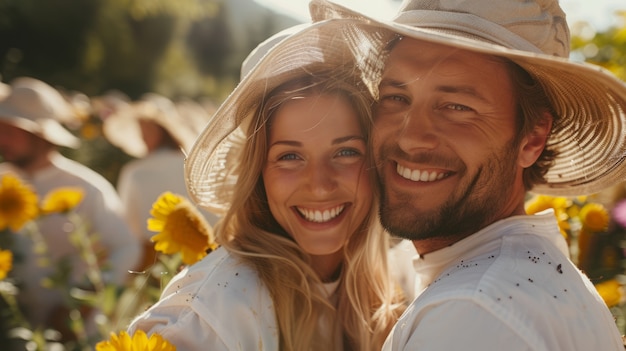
[607, 48]
[176, 48]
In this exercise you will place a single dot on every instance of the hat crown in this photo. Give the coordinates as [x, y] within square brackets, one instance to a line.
[536, 25]
[30, 103]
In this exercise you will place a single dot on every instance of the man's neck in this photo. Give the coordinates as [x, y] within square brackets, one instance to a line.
[425, 246]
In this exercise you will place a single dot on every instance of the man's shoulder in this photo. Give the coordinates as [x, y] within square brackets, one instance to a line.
[520, 282]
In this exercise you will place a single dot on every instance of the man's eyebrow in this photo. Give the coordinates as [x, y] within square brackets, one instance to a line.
[453, 89]
[391, 82]
[462, 89]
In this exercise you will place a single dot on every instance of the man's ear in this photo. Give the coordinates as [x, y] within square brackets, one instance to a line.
[533, 144]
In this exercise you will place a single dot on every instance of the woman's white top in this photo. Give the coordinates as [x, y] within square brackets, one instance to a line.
[219, 303]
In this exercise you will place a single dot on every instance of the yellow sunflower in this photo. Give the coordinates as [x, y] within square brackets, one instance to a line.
[560, 206]
[181, 228]
[611, 292]
[6, 263]
[61, 200]
[594, 217]
[138, 342]
[585, 239]
[543, 202]
[18, 203]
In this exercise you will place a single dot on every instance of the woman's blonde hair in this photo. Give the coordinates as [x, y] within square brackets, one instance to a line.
[368, 300]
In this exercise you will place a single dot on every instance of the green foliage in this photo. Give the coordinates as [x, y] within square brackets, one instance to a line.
[607, 49]
[114, 306]
[176, 48]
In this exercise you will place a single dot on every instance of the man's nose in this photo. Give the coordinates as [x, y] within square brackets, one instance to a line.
[418, 131]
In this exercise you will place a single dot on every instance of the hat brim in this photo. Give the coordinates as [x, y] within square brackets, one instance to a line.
[122, 128]
[45, 128]
[590, 102]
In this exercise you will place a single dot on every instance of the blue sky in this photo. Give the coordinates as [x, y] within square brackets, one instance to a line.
[597, 12]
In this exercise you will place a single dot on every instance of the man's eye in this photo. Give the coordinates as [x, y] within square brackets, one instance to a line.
[394, 98]
[458, 107]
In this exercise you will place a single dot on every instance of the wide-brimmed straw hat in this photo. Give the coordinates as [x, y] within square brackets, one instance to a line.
[590, 102]
[212, 167]
[122, 128]
[38, 108]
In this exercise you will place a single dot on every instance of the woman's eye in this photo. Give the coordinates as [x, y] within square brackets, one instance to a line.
[348, 153]
[288, 157]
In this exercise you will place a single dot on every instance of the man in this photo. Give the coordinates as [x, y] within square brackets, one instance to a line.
[478, 104]
[30, 136]
[158, 136]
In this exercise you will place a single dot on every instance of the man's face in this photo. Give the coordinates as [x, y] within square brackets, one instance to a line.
[444, 142]
[19, 147]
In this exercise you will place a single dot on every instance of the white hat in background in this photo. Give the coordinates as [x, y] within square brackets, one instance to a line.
[122, 127]
[38, 108]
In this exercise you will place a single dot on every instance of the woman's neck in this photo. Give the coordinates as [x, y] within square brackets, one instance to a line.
[327, 267]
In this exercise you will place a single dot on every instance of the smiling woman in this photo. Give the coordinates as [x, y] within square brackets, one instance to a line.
[316, 177]
[302, 263]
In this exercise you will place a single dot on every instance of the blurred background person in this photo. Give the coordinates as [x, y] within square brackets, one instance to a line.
[195, 114]
[151, 130]
[30, 138]
[5, 89]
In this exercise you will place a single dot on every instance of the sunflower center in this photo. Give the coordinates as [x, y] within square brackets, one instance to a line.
[10, 203]
[186, 229]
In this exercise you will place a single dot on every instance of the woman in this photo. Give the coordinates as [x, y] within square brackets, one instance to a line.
[302, 263]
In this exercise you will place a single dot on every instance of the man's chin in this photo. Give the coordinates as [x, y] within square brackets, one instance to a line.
[405, 227]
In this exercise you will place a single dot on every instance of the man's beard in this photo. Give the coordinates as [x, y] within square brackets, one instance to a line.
[464, 213]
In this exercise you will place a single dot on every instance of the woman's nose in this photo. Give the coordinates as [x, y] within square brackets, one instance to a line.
[322, 178]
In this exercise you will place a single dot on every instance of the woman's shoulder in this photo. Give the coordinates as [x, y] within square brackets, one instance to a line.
[220, 276]
[217, 303]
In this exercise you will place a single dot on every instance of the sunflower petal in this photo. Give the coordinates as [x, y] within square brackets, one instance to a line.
[181, 228]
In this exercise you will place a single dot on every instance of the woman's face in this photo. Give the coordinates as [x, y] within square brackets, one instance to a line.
[316, 175]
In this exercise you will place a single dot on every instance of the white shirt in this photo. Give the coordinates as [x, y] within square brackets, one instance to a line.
[510, 286]
[142, 181]
[100, 208]
[217, 304]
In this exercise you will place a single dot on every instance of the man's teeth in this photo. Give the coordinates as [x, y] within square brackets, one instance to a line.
[321, 216]
[417, 175]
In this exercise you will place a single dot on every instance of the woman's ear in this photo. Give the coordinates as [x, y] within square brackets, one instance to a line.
[534, 143]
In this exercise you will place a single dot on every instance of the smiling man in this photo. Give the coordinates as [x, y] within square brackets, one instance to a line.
[477, 105]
